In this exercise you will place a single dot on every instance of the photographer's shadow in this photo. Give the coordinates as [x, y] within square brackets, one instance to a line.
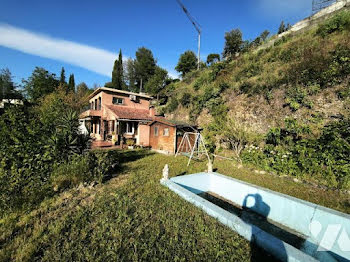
[261, 210]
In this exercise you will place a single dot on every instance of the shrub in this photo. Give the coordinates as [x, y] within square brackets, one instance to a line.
[297, 96]
[130, 142]
[172, 105]
[71, 173]
[185, 100]
[338, 22]
[92, 166]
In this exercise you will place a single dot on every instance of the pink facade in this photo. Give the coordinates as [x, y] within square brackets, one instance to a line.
[120, 117]
[117, 115]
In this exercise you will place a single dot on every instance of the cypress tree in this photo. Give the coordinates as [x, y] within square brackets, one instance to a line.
[71, 83]
[282, 28]
[63, 77]
[117, 73]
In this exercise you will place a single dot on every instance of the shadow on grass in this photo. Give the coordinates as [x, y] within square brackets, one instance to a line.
[133, 155]
[124, 157]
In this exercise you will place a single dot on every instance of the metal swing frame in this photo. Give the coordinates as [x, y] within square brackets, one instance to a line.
[198, 148]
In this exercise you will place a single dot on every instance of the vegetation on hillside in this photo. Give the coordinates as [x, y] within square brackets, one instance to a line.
[293, 97]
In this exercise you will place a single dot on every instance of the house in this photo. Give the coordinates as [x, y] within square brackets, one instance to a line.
[116, 117]
[10, 101]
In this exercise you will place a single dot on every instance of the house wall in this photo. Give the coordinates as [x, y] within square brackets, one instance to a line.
[163, 143]
[107, 99]
[144, 135]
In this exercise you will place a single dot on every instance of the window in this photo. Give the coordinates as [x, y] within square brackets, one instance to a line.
[118, 101]
[166, 132]
[99, 103]
[155, 131]
[92, 105]
[130, 128]
[95, 104]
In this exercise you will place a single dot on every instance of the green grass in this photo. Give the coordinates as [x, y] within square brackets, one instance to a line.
[133, 218]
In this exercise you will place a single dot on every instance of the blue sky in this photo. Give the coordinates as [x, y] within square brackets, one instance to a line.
[85, 36]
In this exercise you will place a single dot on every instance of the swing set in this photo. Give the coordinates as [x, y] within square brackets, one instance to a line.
[194, 150]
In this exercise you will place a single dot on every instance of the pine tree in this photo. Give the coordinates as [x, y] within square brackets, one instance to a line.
[63, 77]
[117, 73]
[282, 28]
[71, 83]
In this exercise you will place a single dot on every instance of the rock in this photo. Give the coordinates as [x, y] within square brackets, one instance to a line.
[296, 180]
[262, 172]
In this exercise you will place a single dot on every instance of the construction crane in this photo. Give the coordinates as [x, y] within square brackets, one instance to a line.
[197, 26]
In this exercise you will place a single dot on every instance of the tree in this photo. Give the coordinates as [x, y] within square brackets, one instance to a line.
[157, 82]
[246, 45]
[63, 77]
[187, 62]
[233, 43]
[237, 135]
[145, 66]
[282, 28]
[39, 84]
[264, 35]
[117, 73]
[257, 41]
[82, 88]
[213, 58]
[71, 83]
[131, 75]
[7, 87]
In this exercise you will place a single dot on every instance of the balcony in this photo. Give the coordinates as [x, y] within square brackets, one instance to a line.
[90, 113]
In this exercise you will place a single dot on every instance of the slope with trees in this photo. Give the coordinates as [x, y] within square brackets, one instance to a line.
[292, 97]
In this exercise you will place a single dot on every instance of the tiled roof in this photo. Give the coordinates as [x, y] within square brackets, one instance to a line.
[123, 112]
[113, 90]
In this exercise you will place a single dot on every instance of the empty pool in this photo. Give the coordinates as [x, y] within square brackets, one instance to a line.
[289, 228]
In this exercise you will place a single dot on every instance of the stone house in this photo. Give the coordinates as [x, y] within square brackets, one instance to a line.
[116, 117]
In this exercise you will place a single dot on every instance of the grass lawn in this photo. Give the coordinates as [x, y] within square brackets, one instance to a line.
[133, 218]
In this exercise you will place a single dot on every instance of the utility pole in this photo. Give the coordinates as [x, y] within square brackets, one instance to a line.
[198, 28]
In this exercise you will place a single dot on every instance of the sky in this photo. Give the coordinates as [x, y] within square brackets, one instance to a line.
[84, 37]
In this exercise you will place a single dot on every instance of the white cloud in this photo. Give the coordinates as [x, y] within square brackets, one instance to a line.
[88, 57]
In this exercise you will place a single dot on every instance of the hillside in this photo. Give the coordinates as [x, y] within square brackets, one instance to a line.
[296, 87]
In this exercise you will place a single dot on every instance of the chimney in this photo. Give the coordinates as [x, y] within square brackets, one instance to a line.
[152, 111]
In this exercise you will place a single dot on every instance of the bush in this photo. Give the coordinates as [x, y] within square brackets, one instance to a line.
[130, 142]
[172, 105]
[185, 100]
[92, 166]
[72, 173]
[296, 97]
[338, 22]
[290, 150]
